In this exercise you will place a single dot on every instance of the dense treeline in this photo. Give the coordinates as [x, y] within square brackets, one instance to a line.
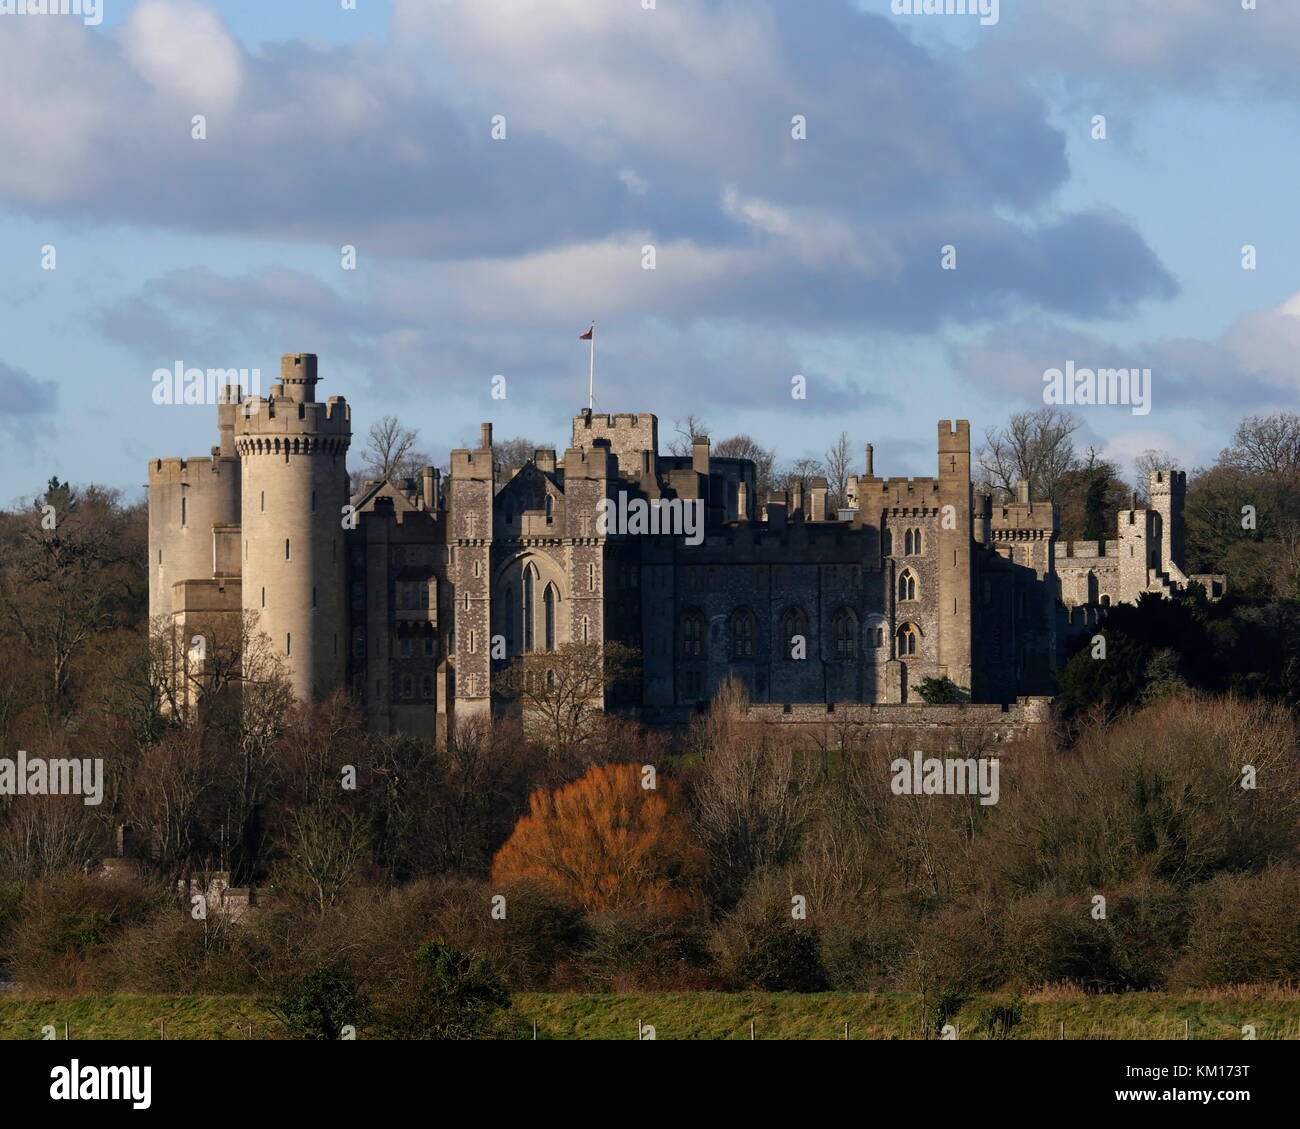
[600, 882]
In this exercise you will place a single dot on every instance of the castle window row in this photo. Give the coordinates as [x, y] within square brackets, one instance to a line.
[910, 543]
[742, 630]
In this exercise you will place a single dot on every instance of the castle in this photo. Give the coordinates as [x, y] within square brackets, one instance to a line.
[400, 593]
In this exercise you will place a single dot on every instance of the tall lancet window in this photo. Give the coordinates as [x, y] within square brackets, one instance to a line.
[548, 608]
[530, 579]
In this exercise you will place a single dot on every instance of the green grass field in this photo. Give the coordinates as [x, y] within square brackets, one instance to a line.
[691, 1015]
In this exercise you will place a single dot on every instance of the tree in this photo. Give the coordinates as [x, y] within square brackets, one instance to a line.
[1034, 447]
[1090, 497]
[325, 847]
[561, 693]
[1266, 445]
[453, 996]
[839, 460]
[800, 473]
[688, 430]
[390, 453]
[511, 454]
[1150, 460]
[318, 1005]
[69, 571]
[607, 841]
[751, 797]
[763, 458]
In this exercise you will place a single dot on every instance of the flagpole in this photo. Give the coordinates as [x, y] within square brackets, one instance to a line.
[591, 373]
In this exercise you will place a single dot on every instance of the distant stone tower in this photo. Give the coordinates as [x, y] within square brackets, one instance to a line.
[1168, 491]
[953, 562]
[187, 498]
[294, 490]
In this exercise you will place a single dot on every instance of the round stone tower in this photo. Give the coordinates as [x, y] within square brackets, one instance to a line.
[294, 486]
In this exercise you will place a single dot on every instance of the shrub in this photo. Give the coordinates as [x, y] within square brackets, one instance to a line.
[939, 691]
[760, 945]
[1245, 930]
[642, 953]
[66, 924]
[448, 995]
[318, 1005]
[998, 1020]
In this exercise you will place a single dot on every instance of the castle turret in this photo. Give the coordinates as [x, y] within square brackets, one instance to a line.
[1168, 491]
[952, 561]
[187, 498]
[294, 490]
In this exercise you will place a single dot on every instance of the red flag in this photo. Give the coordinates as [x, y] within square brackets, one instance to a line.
[588, 335]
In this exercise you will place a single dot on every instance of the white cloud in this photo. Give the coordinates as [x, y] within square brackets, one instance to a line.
[183, 50]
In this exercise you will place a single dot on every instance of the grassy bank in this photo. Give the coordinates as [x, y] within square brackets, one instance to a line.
[695, 1015]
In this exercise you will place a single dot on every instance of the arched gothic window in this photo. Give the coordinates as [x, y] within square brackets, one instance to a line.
[907, 586]
[793, 623]
[530, 581]
[909, 639]
[742, 634]
[844, 628]
[692, 635]
[549, 598]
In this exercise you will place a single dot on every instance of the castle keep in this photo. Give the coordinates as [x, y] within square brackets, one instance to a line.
[397, 594]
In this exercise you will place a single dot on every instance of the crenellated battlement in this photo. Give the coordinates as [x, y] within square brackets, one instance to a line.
[624, 434]
[280, 425]
[190, 471]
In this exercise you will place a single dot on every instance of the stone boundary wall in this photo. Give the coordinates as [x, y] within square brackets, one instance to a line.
[1022, 718]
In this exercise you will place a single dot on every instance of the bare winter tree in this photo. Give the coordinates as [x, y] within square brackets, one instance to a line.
[1152, 459]
[764, 460]
[688, 430]
[799, 473]
[839, 463]
[752, 797]
[511, 454]
[1037, 447]
[390, 453]
[561, 693]
[1265, 445]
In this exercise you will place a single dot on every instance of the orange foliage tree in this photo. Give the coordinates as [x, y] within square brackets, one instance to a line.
[608, 842]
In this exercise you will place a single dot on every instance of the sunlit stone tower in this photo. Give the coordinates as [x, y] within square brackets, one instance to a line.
[293, 497]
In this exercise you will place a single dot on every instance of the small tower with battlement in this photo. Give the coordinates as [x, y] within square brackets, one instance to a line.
[1168, 491]
[188, 500]
[294, 487]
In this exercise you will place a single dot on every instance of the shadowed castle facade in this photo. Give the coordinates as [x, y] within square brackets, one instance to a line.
[399, 593]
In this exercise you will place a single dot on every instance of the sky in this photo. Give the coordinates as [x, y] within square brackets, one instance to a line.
[501, 166]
